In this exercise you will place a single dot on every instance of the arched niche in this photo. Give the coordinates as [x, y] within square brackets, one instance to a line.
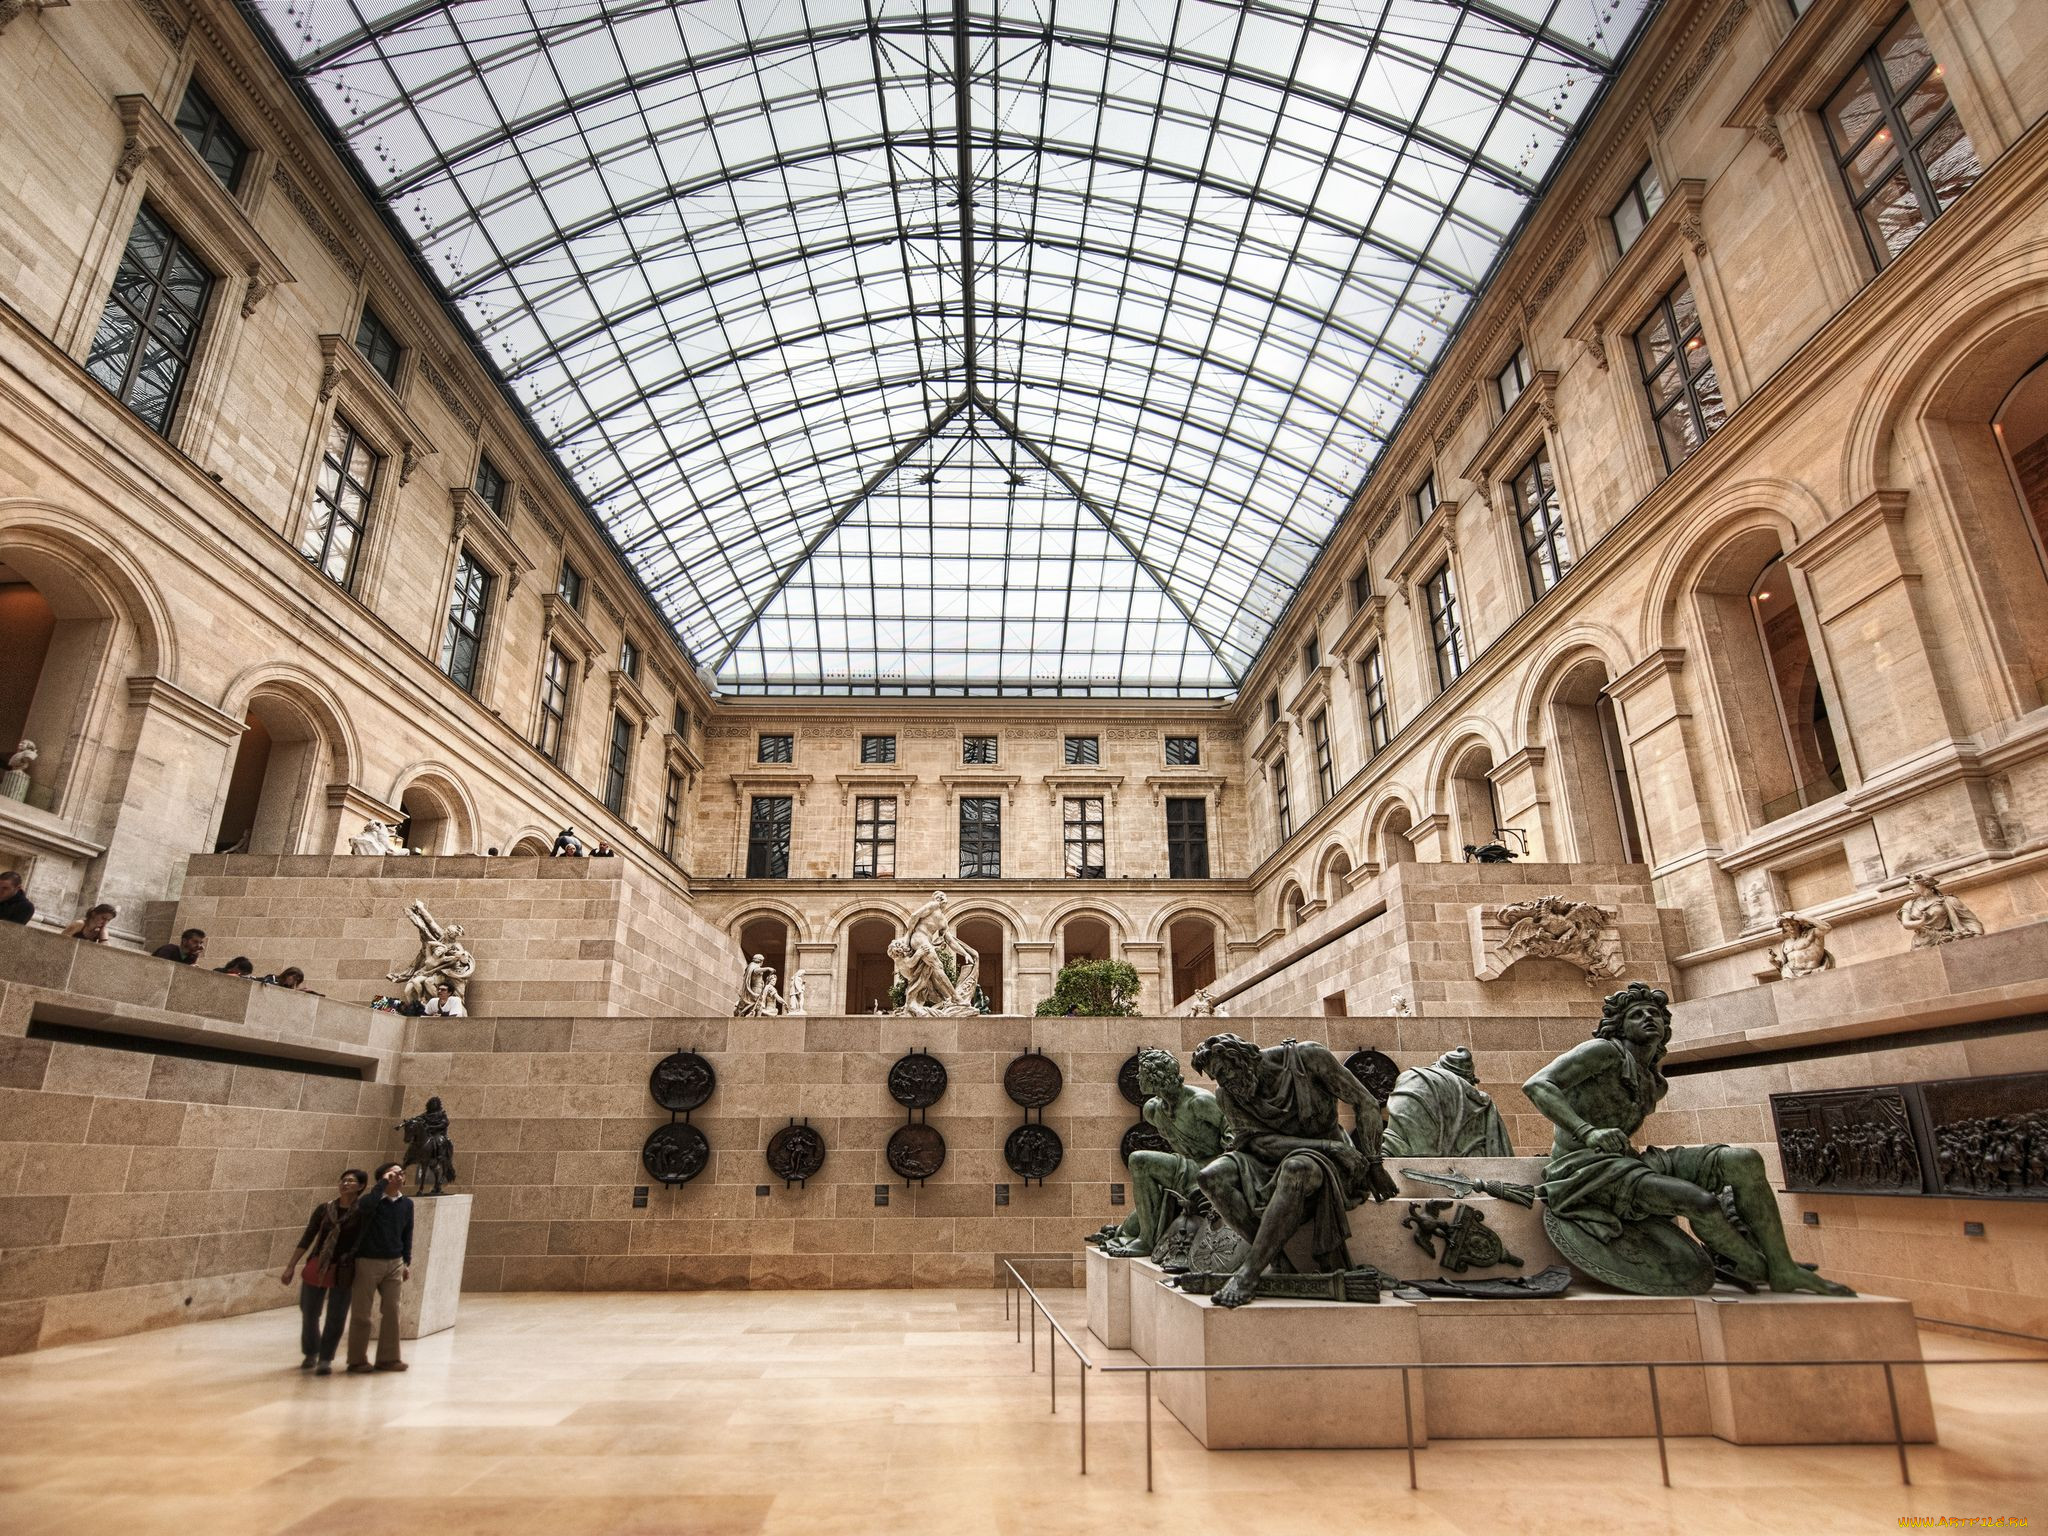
[1085, 937]
[1191, 953]
[274, 785]
[1469, 797]
[1292, 900]
[988, 938]
[434, 817]
[530, 847]
[1393, 842]
[58, 632]
[1336, 873]
[767, 935]
[870, 973]
[1588, 767]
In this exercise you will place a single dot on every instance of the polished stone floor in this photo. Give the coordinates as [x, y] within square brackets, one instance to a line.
[819, 1413]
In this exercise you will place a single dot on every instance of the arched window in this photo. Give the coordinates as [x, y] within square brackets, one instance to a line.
[1395, 844]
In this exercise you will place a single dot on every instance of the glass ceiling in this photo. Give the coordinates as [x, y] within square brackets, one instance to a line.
[1007, 345]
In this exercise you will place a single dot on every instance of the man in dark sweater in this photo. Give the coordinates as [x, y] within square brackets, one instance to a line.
[15, 907]
[383, 1254]
[190, 946]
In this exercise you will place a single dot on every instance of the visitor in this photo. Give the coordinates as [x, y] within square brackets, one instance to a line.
[330, 1233]
[445, 1004]
[241, 966]
[490, 853]
[15, 907]
[92, 928]
[603, 850]
[190, 946]
[567, 846]
[383, 1262]
[291, 978]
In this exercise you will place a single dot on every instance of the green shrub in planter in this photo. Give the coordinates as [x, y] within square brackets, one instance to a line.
[1093, 989]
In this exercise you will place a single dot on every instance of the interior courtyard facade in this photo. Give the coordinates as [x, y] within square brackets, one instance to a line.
[1182, 485]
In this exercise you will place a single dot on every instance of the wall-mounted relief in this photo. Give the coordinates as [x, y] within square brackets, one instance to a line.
[1985, 1137]
[1553, 927]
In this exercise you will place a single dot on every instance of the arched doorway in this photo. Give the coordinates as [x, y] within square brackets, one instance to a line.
[869, 971]
[1084, 938]
[1475, 814]
[55, 632]
[1396, 847]
[430, 820]
[277, 771]
[986, 937]
[531, 847]
[1589, 769]
[768, 937]
[2021, 426]
[1191, 951]
[1336, 872]
[1291, 902]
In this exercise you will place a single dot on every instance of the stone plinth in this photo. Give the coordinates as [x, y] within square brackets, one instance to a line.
[1148, 1299]
[1815, 1405]
[440, 1242]
[1288, 1410]
[1109, 1298]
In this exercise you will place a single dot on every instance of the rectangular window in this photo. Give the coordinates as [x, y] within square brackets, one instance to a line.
[1083, 750]
[671, 813]
[490, 485]
[569, 586]
[1378, 720]
[1311, 654]
[1283, 804]
[463, 643]
[554, 704]
[768, 838]
[981, 837]
[681, 720]
[874, 837]
[1361, 590]
[1084, 838]
[629, 661]
[378, 346]
[878, 749]
[1187, 839]
[776, 749]
[211, 137]
[1326, 765]
[618, 764]
[143, 348]
[978, 749]
[341, 502]
[1273, 707]
[1183, 751]
[1638, 205]
[1424, 499]
[1679, 377]
[1446, 633]
[1509, 383]
[1902, 151]
[1546, 546]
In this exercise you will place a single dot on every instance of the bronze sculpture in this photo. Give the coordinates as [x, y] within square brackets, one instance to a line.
[1441, 1111]
[428, 1148]
[1191, 1121]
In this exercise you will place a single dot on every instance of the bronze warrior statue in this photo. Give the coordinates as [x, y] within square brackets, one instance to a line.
[429, 1147]
[1287, 1164]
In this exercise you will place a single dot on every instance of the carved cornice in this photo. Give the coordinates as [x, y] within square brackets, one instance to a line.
[160, 694]
[1574, 248]
[1313, 694]
[169, 19]
[1435, 541]
[1060, 784]
[1702, 61]
[438, 382]
[10, 9]
[332, 243]
[627, 699]
[1364, 631]
[472, 520]
[562, 625]
[1514, 435]
[1187, 781]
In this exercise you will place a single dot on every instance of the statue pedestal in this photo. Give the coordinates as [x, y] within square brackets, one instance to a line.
[14, 784]
[1109, 1298]
[1148, 1298]
[440, 1241]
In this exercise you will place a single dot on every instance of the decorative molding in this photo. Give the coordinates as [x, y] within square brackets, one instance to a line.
[1573, 249]
[1702, 61]
[1766, 129]
[167, 18]
[1455, 417]
[561, 625]
[1652, 264]
[540, 515]
[471, 517]
[309, 211]
[149, 692]
[9, 9]
[604, 601]
[438, 382]
[372, 404]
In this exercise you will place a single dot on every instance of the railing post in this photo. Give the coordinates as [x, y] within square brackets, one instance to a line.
[1082, 1366]
[1034, 1332]
[1408, 1423]
[1898, 1430]
[1657, 1420]
[1148, 1430]
[1052, 1362]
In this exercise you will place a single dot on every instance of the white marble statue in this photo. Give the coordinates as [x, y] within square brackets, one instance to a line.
[14, 785]
[1933, 917]
[1203, 1005]
[1400, 1008]
[378, 838]
[1804, 948]
[758, 998]
[794, 1001]
[921, 957]
[442, 960]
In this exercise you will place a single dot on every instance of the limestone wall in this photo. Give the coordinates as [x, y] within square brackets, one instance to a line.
[583, 936]
[140, 1189]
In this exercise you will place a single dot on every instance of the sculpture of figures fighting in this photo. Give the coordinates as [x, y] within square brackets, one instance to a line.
[1803, 949]
[441, 959]
[377, 837]
[1441, 1111]
[1610, 1206]
[1934, 917]
[1192, 1122]
[1203, 1005]
[1558, 928]
[920, 959]
[759, 998]
[1287, 1165]
[429, 1148]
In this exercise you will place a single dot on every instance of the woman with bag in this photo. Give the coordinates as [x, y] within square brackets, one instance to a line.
[330, 1233]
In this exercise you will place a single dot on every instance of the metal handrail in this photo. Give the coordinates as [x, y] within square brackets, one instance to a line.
[1016, 1282]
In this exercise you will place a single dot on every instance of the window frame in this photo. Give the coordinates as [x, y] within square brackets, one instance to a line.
[982, 838]
[1193, 752]
[971, 748]
[370, 321]
[671, 814]
[1541, 524]
[1633, 196]
[217, 124]
[1446, 628]
[1325, 758]
[569, 584]
[1664, 311]
[495, 501]
[340, 420]
[1082, 752]
[875, 835]
[1311, 654]
[876, 749]
[1379, 719]
[175, 245]
[1187, 844]
[552, 737]
[787, 749]
[1085, 831]
[1283, 801]
[469, 607]
[629, 658]
[1524, 373]
[1423, 500]
[766, 848]
[618, 763]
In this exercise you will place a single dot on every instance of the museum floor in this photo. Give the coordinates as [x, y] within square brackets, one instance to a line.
[729, 1412]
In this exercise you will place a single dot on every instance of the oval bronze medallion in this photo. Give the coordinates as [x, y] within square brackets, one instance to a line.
[917, 1081]
[1033, 1151]
[1127, 1082]
[795, 1153]
[681, 1081]
[675, 1154]
[916, 1151]
[1141, 1137]
[1375, 1069]
[1033, 1081]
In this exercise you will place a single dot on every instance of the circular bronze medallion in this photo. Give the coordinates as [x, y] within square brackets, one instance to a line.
[1033, 1081]
[682, 1081]
[1375, 1069]
[1141, 1137]
[1033, 1151]
[1127, 1082]
[796, 1152]
[916, 1151]
[676, 1154]
[917, 1081]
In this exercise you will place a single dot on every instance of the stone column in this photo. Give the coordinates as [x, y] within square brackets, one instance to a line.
[440, 1241]
[824, 986]
[349, 808]
[1147, 958]
[1036, 967]
[1524, 802]
[165, 804]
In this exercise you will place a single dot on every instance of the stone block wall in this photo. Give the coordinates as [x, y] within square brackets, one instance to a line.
[563, 936]
[140, 1189]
